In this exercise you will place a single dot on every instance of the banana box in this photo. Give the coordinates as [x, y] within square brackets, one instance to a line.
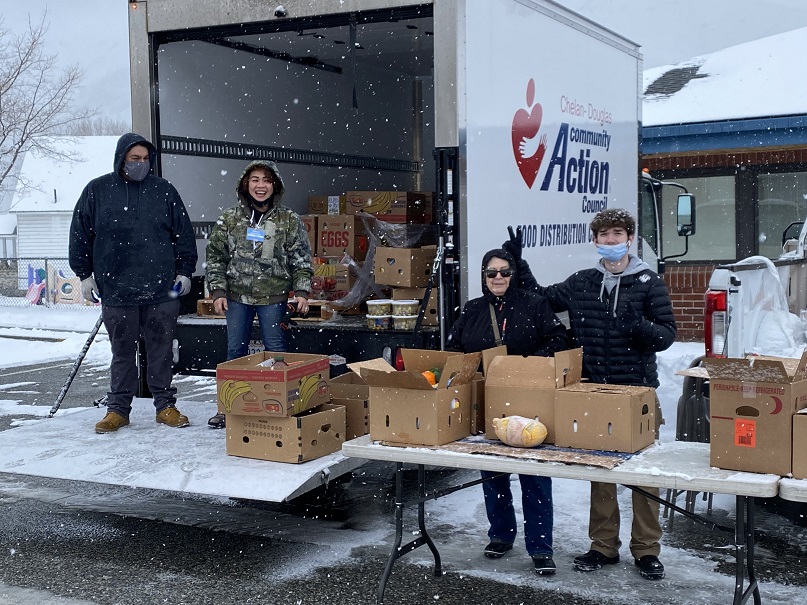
[245, 388]
[390, 206]
[311, 226]
[332, 278]
[404, 267]
[326, 204]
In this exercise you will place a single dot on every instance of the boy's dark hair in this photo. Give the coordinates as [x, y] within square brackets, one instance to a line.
[613, 217]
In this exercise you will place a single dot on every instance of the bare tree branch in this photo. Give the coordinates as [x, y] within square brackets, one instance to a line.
[37, 106]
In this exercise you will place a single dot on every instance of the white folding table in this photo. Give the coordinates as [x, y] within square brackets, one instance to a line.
[678, 465]
[794, 490]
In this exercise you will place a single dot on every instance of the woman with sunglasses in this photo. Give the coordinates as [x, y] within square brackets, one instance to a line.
[525, 323]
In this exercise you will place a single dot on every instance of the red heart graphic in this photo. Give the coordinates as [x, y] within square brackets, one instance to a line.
[525, 128]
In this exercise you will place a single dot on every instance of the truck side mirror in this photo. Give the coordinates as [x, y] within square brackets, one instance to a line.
[686, 214]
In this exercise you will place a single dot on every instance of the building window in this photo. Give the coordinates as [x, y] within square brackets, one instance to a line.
[782, 200]
[715, 238]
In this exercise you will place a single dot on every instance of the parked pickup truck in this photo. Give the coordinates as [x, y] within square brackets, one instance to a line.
[753, 306]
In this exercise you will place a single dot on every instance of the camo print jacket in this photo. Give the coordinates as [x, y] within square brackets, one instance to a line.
[259, 273]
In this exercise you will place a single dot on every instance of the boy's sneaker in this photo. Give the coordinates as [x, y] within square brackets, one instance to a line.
[111, 423]
[593, 560]
[544, 566]
[495, 550]
[172, 417]
[650, 567]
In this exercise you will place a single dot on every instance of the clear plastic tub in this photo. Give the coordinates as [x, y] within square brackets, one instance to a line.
[404, 322]
[381, 306]
[405, 307]
[379, 322]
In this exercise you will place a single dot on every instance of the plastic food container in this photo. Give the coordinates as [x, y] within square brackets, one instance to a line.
[404, 322]
[381, 306]
[379, 322]
[405, 307]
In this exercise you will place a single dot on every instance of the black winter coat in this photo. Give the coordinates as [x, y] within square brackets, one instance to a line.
[133, 237]
[619, 346]
[527, 324]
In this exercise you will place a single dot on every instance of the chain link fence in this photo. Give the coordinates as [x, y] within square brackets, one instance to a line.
[38, 281]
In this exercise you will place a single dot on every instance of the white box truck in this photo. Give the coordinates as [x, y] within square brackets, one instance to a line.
[514, 112]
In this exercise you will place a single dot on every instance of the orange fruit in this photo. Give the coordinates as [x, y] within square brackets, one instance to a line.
[430, 377]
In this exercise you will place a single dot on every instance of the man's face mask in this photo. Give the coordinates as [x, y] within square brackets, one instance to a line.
[612, 253]
[136, 171]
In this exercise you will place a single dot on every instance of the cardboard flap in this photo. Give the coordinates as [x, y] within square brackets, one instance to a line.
[400, 380]
[489, 354]
[568, 367]
[696, 372]
[518, 371]
[459, 369]
[801, 369]
[372, 364]
[420, 360]
[753, 369]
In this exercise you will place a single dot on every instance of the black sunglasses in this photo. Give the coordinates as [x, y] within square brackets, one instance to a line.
[491, 273]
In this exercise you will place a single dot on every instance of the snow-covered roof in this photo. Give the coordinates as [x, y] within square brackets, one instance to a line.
[86, 158]
[756, 79]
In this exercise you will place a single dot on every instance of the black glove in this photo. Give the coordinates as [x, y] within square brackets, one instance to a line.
[515, 244]
[627, 319]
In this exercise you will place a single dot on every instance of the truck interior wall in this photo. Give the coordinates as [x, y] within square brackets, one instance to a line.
[215, 93]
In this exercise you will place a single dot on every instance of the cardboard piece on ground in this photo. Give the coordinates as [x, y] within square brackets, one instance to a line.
[752, 403]
[607, 417]
[525, 386]
[314, 433]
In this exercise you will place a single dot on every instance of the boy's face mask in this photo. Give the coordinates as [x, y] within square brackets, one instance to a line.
[613, 253]
[136, 171]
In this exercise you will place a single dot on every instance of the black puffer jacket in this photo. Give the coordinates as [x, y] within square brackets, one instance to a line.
[527, 324]
[621, 321]
[133, 237]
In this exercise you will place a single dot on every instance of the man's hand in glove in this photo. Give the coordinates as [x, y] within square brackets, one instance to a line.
[514, 244]
[627, 319]
[89, 290]
[182, 285]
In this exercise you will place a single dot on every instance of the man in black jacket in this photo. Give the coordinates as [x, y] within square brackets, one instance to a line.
[621, 314]
[132, 245]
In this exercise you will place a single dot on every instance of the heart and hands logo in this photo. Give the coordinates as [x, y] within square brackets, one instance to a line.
[528, 148]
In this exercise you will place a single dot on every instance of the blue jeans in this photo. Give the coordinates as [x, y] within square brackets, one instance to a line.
[239, 327]
[536, 502]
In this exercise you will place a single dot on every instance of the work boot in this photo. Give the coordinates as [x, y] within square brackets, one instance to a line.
[219, 421]
[172, 417]
[593, 560]
[111, 423]
[544, 565]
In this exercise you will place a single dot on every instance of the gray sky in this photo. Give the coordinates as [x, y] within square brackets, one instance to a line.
[94, 33]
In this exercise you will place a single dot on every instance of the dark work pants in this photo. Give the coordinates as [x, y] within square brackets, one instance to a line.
[156, 325]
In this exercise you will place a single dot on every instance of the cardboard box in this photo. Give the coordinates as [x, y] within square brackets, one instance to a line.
[342, 234]
[799, 466]
[246, 389]
[478, 404]
[406, 267]
[332, 278]
[310, 224]
[389, 206]
[357, 416]
[326, 204]
[312, 434]
[525, 386]
[608, 417]
[752, 402]
[405, 409]
[431, 316]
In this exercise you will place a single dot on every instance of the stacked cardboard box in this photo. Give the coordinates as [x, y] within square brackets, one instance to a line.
[279, 414]
[391, 206]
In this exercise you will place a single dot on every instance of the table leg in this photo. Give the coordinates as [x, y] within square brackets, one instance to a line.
[744, 552]
[399, 551]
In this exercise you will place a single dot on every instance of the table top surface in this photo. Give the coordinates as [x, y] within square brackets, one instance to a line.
[677, 465]
[793, 489]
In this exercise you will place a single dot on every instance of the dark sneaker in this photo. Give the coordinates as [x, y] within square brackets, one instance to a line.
[172, 417]
[593, 560]
[111, 423]
[218, 421]
[495, 550]
[544, 566]
[650, 567]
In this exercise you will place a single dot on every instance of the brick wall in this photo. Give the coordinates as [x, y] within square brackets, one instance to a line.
[720, 159]
[687, 285]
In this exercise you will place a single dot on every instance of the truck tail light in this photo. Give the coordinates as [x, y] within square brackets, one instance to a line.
[399, 362]
[715, 323]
